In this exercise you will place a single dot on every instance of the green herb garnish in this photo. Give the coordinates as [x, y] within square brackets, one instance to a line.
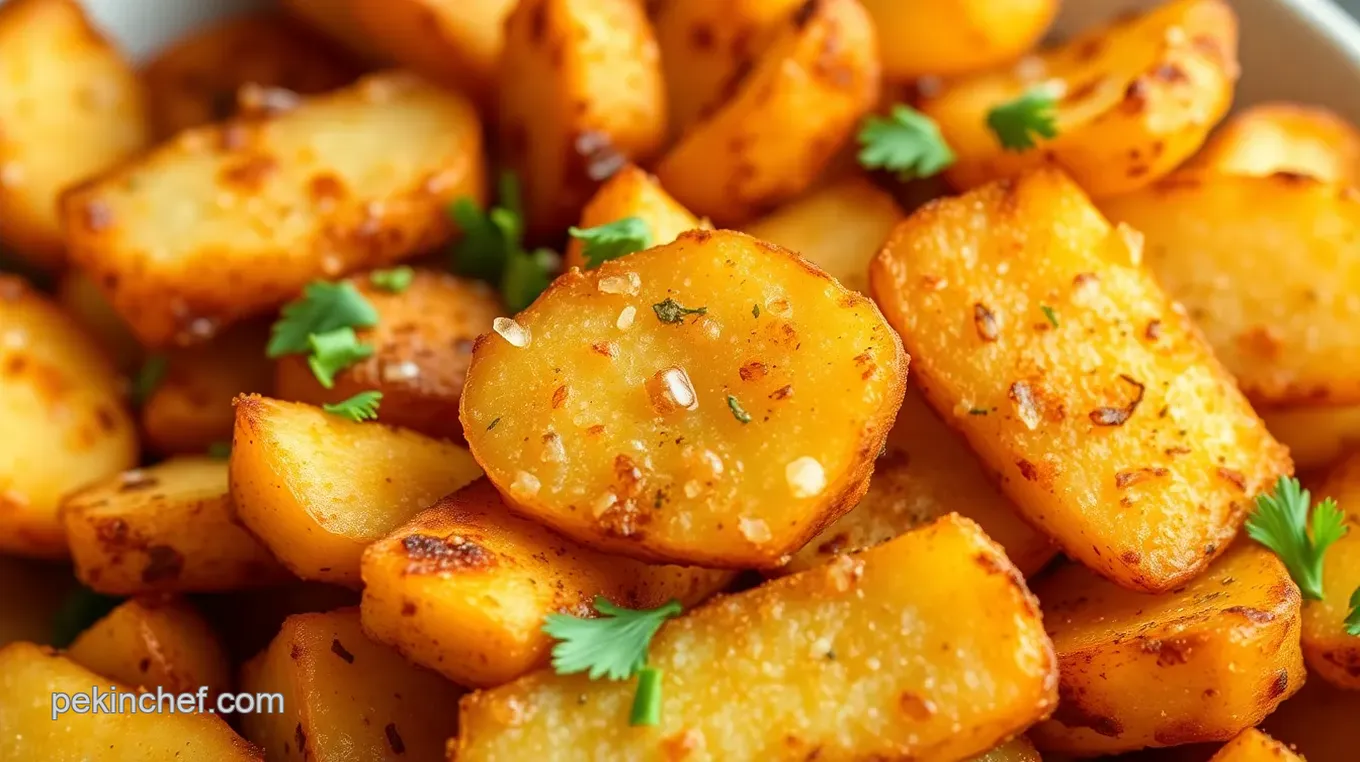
[613, 240]
[492, 247]
[738, 411]
[1353, 618]
[670, 311]
[1050, 314]
[334, 351]
[149, 377]
[396, 280]
[1281, 523]
[361, 407]
[324, 307]
[1017, 122]
[907, 142]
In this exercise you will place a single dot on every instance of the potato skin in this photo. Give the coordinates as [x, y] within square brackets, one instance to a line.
[953, 37]
[1332, 654]
[747, 677]
[1285, 137]
[1101, 446]
[422, 347]
[70, 106]
[785, 120]
[1137, 99]
[149, 643]
[632, 192]
[270, 201]
[1251, 745]
[818, 371]
[456, 42]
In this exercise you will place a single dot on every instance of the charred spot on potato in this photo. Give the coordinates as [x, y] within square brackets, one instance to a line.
[1117, 416]
[339, 649]
[1254, 615]
[427, 554]
[1233, 477]
[1133, 476]
[1073, 714]
[984, 321]
[162, 563]
[394, 741]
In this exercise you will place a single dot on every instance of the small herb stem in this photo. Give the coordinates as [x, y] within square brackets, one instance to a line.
[647, 699]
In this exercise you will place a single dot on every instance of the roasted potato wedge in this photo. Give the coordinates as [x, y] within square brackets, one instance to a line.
[580, 94]
[170, 527]
[1319, 722]
[1134, 100]
[70, 106]
[422, 346]
[1252, 745]
[1285, 137]
[633, 193]
[317, 488]
[81, 299]
[1073, 377]
[345, 697]
[953, 37]
[784, 121]
[724, 437]
[870, 630]
[464, 587]
[456, 42]
[66, 419]
[267, 202]
[1201, 663]
[339, 22]
[149, 643]
[1332, 654]
[1316, 436]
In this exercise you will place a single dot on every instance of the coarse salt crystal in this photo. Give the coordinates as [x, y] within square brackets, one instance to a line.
[603, 503]
[629, 283]
[553, 450]
[400, 371]
[625, 320]
[755, 530]
[805, 476]
[670, 389]
[525, 483]
[513, 332]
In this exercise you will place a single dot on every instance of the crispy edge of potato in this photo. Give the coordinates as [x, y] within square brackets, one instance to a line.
[632, 192]
[456, 42]
[1276, 137]
[154, 642]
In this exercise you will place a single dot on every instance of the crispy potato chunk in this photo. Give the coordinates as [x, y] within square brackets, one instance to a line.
[580, 94]
[167, 527]
[80, 298]
[917, 670]
[784, 121]
[66, 421]
[1285, 137]
[1316, 436]
[267, 202]
[422, 346]
[1333, 654]
[1252, 745]
[632, 192]
[465, 586]
[317, 488]
[70, 106]
[149, 643]
[457, 42]
[953, 37]
[1201, 663]
[30, 675]
[1015, 750]
[1318, 721]
[725, 437]
[1135, 98]
[1073, 377]
[345, 697]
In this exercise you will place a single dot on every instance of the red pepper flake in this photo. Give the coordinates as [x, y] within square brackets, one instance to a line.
[559, 396]
[782, 393]
[1134, 475]
[1236, 477]
[1153, 330]
[1116, 416]
[1173, 451]
[984, 320]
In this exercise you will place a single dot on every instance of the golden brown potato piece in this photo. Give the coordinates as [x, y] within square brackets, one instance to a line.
[1074, 378]
[167, 527]
[317, 488]
[1201, 663]
[422, 346]
[339, 22]
[954, 37]
[1015, 750]
[80, 298]
[580, 94]
[748, 676]
[1318, 721]
[1333, 654]
[66, 422]
[632, 192]
[345, 697]
[784, 121]
[269, 201]
[457, 42]
[1252, 745]
[1285, 137]
[1316, 436]
[465, 586]
[1134, 99]
[149, 643]
[30, 676]
[70, 106]
[725, 436]
[195, 80]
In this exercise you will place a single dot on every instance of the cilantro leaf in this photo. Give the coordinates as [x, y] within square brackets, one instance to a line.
[492, 247]
[220, 450]
[1281, 523]
[1353, 618]
[907, 142]
[612, 240]
[671, 311]
[361, 407]
[1017, 122]
[1050, 314]
[324, 307]
[149, 376]
[396, 280]
[333, 351]
[738, 411]
[527, 276]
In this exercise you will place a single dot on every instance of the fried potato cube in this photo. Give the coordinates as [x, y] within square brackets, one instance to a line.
[456, 42]
[1034, 332]
[167, 527]
[317, 488]
[1201, 663]
[632, 192]
[1332, 653]
[953, 37]
[926, 647]
[230, 220]
[725, 436]
[1134, 99]
[1285, 137]
[149, 643]
[345, 697]
[1316, 436]
[70, 106]
[1318, 721]
[82, 300]
[1252, 745]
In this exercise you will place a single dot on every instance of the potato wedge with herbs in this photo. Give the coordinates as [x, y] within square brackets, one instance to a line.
[345, 697]
[1073, 376]
[632, 192]
[580, 94]
[1252, 745]
[170, 527]
[1332, 653]
[1319, 722]
[66, 419]
[149, 643]
[715, 401]
[70, 106]
[1200, 663]
[317, 488]
[953, 37]
[422, 345]
[1134, 99]
[82, 300]
[465, 586]
[785, 120]
[269, 201]
[1285, 137]
[929, 645]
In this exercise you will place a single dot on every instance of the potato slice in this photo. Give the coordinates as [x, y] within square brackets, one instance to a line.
[953, 37]
[70, 106]
[1074, 377]
[273, 199]
[1333, 654]
[149, 643]
[1318, 721]
[580, 94]
[345, 697]
[1135, 99]
[317, 488]
[457, 42]
[1285, 137]
[785, 120]
[1316, 436]
[860, 659]
[1201, 663]
[632, 192]
[422, 346]
[1015, 750]
[66, 420]
[1252, 745]
[724, 438]
[167, 527]
[30, 676]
